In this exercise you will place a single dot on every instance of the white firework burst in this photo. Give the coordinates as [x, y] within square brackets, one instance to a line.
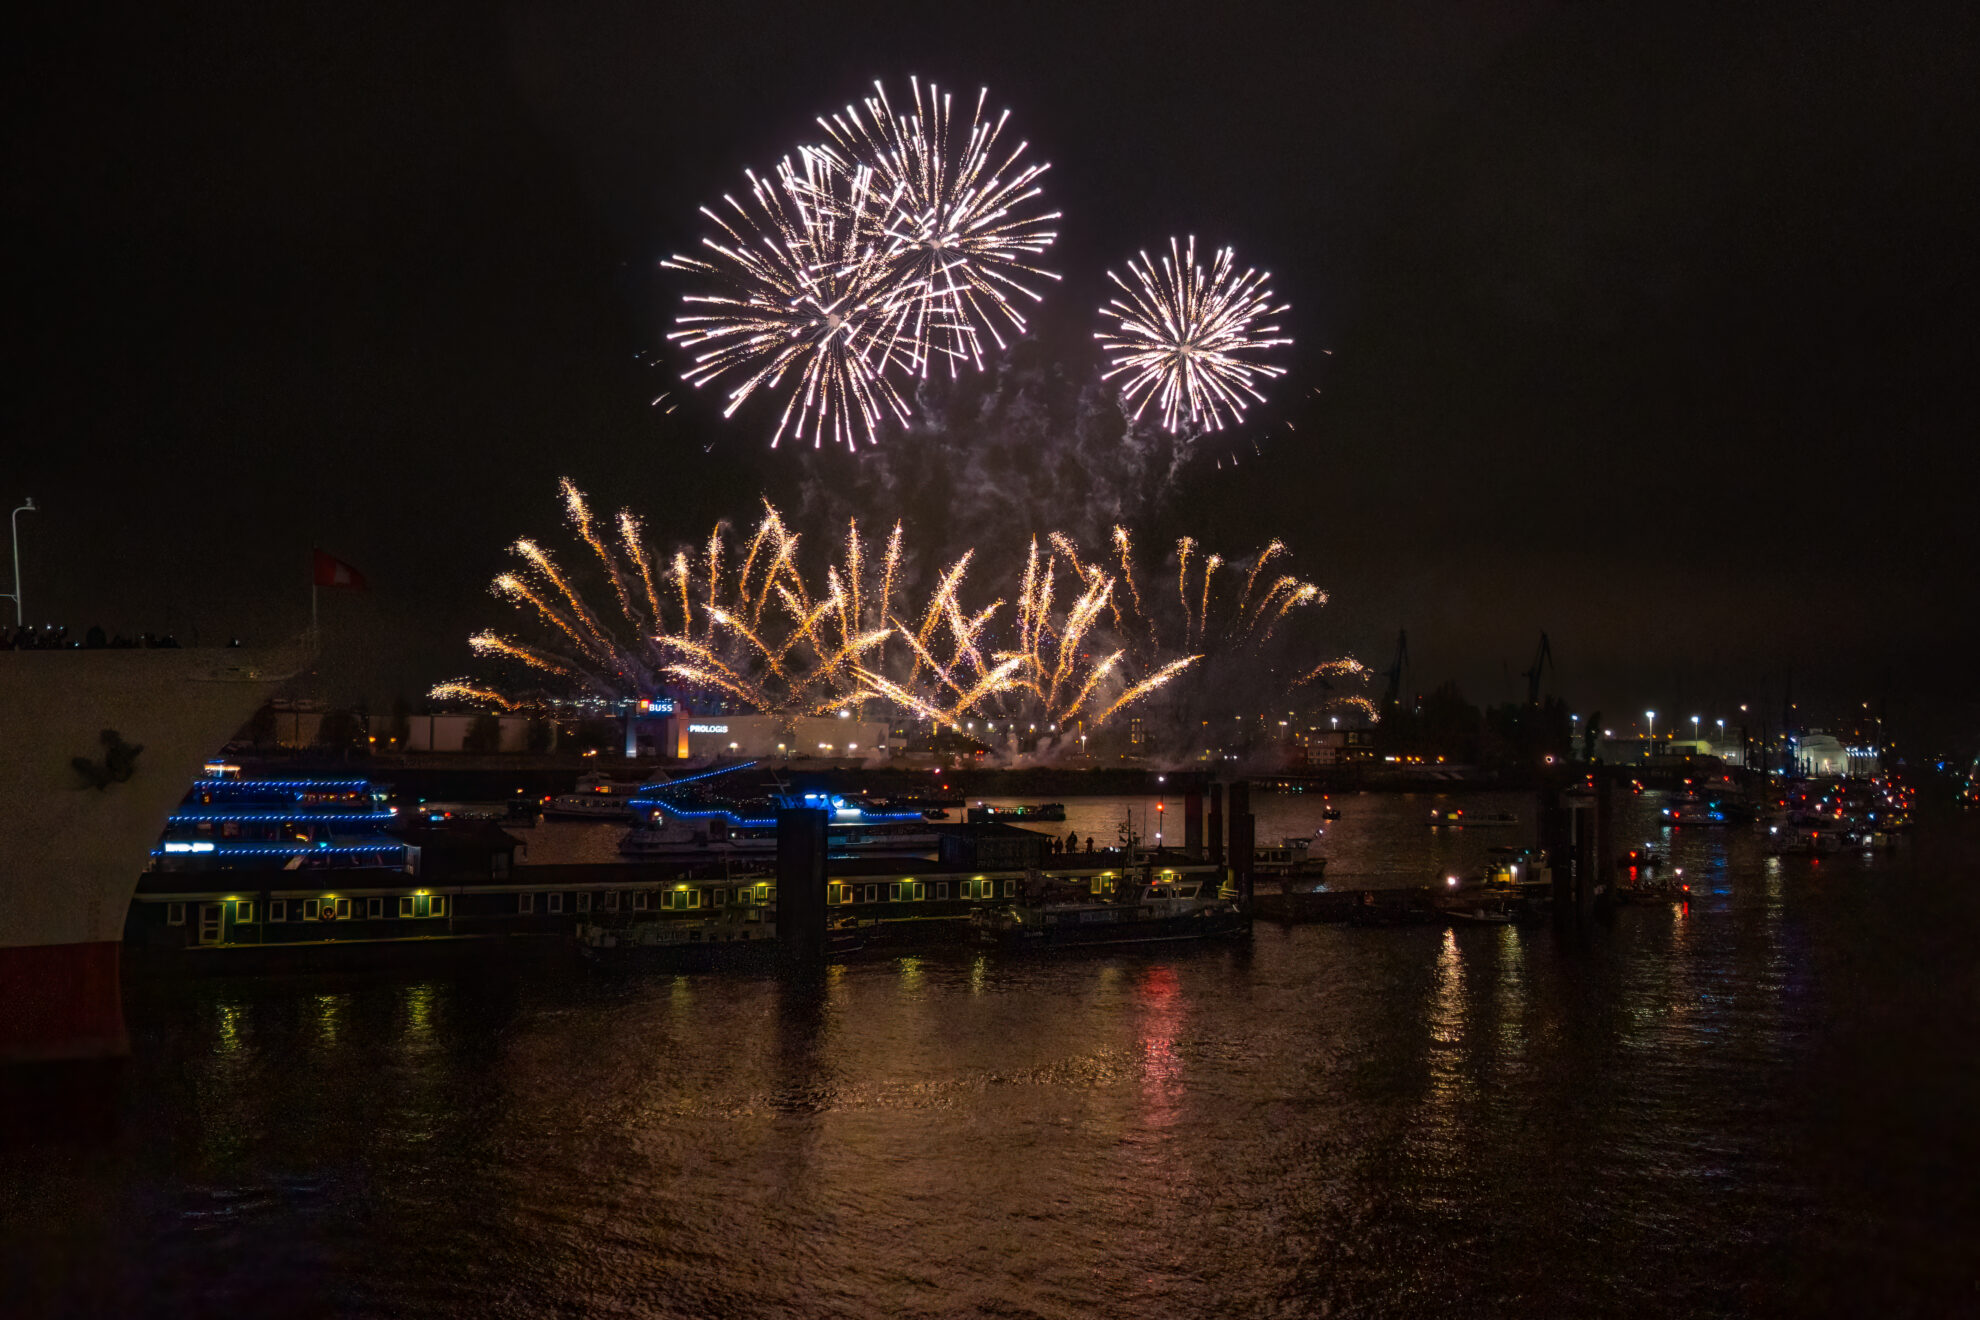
[958, 216]
[802, 288]
[1190, 341]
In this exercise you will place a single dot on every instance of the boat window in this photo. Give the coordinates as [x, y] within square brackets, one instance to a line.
[556, 903]
[175, 914]
[920, 891]
[405, 905]
[312, 909]
[639, 901]
[439, 906]
[525, 903]
[584, 902]
[873, 893]
[343, 908]
[694, 898]
[244, 912]
[374, 907]
[278, 909]
[611, 900]
[894, 892]
[1010, 889]
[942, 889]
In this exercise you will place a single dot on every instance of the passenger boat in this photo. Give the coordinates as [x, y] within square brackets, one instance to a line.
[1053, 914]
[692, 817]
[674, 838]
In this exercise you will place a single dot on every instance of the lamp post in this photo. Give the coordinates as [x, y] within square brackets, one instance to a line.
[1651, 715]
[14, 522]
[1694, 728]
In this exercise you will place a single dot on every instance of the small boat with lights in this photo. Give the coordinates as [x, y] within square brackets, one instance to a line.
[1654, 891]
[1452, 818]
[598, 797]
[982, 812]
[1695, 810]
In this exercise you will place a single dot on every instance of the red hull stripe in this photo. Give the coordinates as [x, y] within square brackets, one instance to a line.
[61, 1001]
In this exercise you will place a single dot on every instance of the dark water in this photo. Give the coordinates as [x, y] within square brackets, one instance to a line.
[1765, 1104]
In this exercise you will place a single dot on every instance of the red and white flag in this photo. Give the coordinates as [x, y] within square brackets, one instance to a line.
[331, 571]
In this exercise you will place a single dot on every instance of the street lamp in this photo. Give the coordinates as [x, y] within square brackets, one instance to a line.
[1651, 715]
[1694, 728]
[15, 523]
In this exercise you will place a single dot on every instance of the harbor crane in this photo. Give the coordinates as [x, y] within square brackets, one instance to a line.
[1541, 662]
[1393, 692]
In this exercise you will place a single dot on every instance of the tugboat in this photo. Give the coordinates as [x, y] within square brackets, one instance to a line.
[1051, 914]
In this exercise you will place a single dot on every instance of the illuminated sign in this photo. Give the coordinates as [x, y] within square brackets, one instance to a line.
[708, 728]
[656, 706]
[188, 847]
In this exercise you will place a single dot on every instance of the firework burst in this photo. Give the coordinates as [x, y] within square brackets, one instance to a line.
[1190, 341]
[741, 626]
[959, 223]
[801, 290]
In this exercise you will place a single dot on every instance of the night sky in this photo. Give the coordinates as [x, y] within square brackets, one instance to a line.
[1650, 325]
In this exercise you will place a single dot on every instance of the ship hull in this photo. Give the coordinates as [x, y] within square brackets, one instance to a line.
[101, 745]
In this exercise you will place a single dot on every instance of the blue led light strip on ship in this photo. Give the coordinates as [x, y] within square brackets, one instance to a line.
[281, 849]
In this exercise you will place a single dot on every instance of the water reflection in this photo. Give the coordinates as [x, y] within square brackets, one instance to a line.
[229, 1017]
[419, 1013]
[1511, 996]
[1639, 1118]
[328, 1018]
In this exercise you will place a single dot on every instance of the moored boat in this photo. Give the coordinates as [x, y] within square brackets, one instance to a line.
[1023, 811]
[1051, 914]
[599, 798]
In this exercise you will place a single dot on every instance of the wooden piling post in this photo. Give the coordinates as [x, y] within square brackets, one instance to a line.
[801, 886]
